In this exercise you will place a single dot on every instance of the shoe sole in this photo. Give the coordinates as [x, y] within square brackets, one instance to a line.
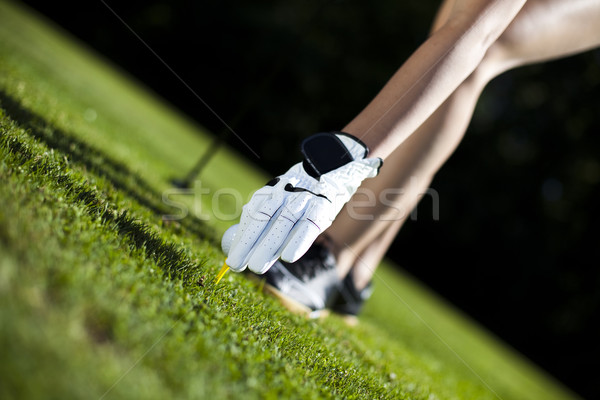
[288, 302]
[292, 305]
[350, 320]
[298, 308]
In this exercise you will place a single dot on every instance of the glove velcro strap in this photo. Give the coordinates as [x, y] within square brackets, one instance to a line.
[325, 152]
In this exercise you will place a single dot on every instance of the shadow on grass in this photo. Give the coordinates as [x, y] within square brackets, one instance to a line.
[173, 260]
[121, 177]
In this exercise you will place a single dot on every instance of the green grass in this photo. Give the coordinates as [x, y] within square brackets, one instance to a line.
[101, 297]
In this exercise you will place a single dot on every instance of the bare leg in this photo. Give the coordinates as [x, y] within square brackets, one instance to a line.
[542, 30]
[432, 73]
[402, 182]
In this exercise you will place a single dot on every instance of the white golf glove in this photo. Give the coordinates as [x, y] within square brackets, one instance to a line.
[284, 218]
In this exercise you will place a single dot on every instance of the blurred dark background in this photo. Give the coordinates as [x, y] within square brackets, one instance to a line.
[517, 243]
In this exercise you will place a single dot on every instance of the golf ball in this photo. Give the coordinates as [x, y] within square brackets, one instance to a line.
[228, 237]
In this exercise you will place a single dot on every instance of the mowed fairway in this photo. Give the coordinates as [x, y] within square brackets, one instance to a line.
[102, 297]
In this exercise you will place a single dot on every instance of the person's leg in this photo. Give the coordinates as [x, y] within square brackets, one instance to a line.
[543, 30]
[367, 225]
[365, 228]
[432, 73]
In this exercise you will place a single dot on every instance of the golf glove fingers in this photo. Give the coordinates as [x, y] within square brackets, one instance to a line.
[285, 217]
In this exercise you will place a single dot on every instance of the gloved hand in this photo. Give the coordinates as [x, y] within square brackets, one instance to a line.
[284, 218]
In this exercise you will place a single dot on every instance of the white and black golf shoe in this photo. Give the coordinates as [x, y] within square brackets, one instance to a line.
[311, 285]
